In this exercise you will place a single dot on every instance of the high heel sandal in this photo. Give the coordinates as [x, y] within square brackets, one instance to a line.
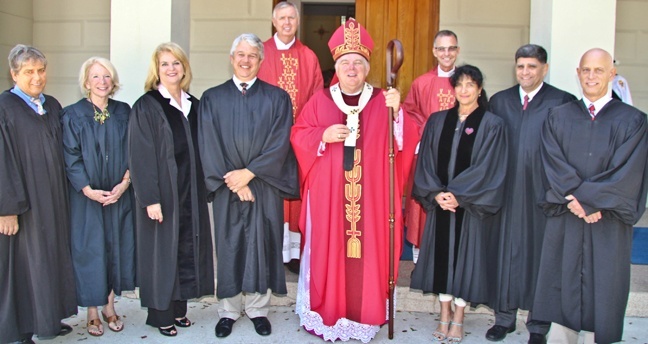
[169, 331]
[456, 339]
[438, 335]
[184, 322]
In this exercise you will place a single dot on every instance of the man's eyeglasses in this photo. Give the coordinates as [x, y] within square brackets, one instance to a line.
[450, 49]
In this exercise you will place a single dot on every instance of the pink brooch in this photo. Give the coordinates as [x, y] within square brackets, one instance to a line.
[469, 131]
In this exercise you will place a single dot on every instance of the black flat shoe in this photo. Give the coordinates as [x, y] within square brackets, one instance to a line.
[537, 338]
[498, 332]
[262, 326]
[65, 329]
[184, 322]
[224, 327]
[169, 331]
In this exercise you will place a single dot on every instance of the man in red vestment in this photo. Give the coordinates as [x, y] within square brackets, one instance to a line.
[341, 142]
[294, 67]
[430, 93]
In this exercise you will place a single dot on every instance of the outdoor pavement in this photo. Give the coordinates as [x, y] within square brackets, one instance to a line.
[416, 319]
[409, 327]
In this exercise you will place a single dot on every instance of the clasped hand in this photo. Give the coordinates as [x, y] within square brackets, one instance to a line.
[577, 209]
[447, 201]
[237, 181]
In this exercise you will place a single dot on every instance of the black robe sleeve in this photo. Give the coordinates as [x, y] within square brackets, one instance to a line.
[144, 128]
[13, 196]
[75, 167]
[426, 181]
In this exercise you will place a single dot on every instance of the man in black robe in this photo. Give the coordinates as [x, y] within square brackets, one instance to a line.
[594, 153]
[36, 282]
[244, 140]
[524, 108]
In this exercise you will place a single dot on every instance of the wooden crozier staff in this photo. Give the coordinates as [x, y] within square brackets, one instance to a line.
[392, 70]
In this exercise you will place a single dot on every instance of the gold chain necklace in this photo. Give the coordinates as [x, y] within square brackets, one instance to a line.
[100, 116]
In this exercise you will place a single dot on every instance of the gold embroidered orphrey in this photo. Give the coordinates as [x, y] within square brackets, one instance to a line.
[353, 193]
[446, 99]
[287, 79]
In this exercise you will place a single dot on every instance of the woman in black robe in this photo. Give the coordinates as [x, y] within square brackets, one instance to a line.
[102, 233]
[174, 245]
[457, 180]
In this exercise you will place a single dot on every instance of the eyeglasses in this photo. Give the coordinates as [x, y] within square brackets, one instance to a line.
[450, 49]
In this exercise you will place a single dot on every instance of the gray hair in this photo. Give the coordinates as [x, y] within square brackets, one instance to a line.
[284, 4]
[252, 40]
[22, 53]
[445, 33]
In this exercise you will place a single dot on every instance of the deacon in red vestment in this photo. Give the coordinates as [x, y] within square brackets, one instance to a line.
[430, 93]
[341, 142]
[292, 66]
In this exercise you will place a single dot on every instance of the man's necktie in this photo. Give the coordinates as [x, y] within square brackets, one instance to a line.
[39, 104]
[244, 88]
[526, 102]
[591, 109]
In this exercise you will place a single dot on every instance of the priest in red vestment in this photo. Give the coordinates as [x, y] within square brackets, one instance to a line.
[292, 66]
[430, 93]
[341, 142]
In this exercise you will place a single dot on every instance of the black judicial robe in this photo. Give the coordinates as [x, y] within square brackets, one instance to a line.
[36, 281]
[584, 275]
[103, 238]
[248, 131]
[174, 258]
[523, 220]
[456, 247]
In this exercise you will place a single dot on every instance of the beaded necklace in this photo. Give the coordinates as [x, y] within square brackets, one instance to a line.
[100, 115]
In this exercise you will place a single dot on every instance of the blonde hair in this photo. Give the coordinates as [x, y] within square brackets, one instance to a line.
[153, 76]
[85, 70]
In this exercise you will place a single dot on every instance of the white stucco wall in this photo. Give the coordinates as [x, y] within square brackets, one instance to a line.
[489, 33]
[631, 49]
[69, 32]
[214, 26]
[15, 27]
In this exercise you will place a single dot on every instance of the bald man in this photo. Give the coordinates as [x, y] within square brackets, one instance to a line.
[594, 153]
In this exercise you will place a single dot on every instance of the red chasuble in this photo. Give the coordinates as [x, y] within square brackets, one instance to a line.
[297, 71]
[349, 211]
[429, 94]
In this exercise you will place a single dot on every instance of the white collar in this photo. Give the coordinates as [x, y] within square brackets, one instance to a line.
[600, 103]
[352, 112]
[281, 45]
[531, 94]
[445, 74]
[184, 98]
[238, 82]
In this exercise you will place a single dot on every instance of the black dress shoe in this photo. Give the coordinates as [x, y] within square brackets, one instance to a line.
[224, 327]
[537, 338]
[65, 329]
[498, 332]
[184, 322]
[169, 331]
[262, 325]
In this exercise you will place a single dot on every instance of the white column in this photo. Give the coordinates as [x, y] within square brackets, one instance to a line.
[568, 28]
[136, 28]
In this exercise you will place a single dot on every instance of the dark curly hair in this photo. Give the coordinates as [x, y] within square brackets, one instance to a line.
[475, 75]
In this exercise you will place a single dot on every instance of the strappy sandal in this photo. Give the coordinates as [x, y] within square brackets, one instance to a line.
[93, 325]
[438, 335]
[168, 331]
[456, 339]
[112, 322]
[184, 322]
